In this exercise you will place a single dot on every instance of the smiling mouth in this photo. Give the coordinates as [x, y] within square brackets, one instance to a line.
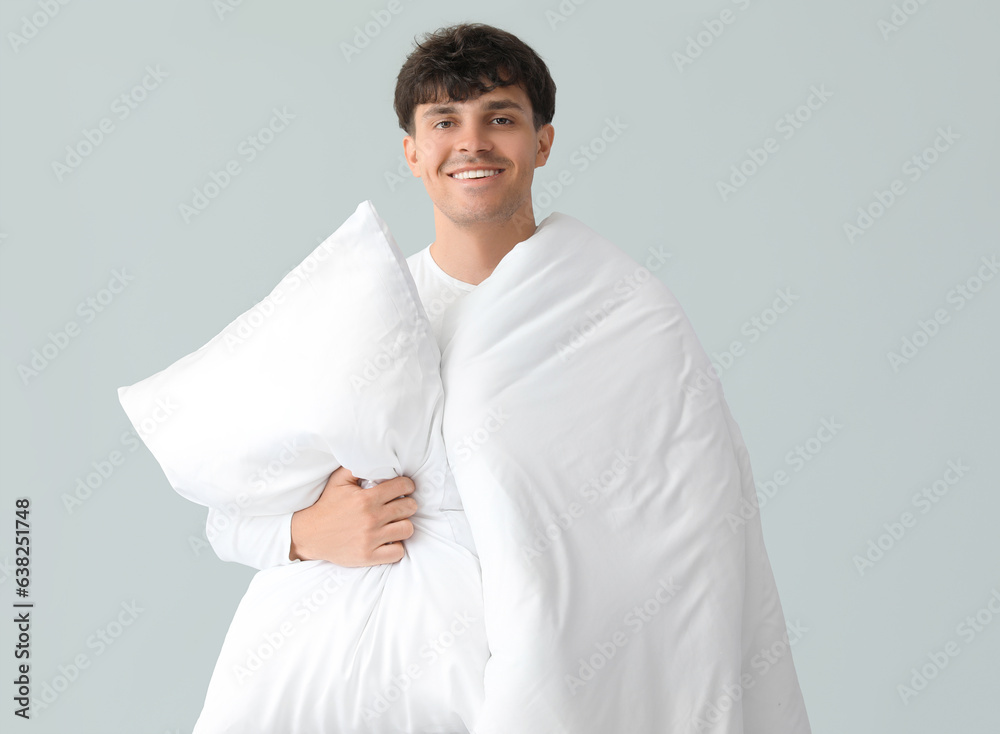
[477, 174]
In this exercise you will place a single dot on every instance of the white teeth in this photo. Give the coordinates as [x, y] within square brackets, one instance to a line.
[476, 174]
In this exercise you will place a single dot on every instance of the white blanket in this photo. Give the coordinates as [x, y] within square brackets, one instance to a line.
[620, 595]
[613, 591]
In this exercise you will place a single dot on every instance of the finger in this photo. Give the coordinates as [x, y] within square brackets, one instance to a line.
[343, 476]
[392, 488]
[398, 509]
[391, 512]
[394, 531]
[391, 553]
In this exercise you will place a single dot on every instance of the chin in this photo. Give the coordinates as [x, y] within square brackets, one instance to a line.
[462, 214]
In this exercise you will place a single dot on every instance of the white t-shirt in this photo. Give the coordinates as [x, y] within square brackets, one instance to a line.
[264, 541]
[438, 290]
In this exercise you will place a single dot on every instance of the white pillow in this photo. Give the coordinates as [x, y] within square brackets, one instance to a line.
[336, 366]
[296, 386]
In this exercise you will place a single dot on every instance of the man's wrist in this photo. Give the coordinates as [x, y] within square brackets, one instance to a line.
[295, 550]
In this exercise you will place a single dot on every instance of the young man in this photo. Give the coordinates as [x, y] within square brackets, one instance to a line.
[476, 104]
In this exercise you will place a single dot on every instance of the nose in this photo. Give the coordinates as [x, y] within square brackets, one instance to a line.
[474, 138]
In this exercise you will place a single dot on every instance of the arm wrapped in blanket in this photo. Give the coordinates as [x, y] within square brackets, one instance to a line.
[600, 484]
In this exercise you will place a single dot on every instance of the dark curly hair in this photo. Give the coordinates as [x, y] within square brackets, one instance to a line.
[455, 61]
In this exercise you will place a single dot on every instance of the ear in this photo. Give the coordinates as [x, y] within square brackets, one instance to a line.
[410, 153]
[544, 144]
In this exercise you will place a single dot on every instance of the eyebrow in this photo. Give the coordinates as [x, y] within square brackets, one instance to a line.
[491, 106]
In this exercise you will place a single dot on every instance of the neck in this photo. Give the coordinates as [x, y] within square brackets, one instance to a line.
[470, 252]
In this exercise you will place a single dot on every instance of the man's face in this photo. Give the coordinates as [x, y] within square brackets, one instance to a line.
[492, 133]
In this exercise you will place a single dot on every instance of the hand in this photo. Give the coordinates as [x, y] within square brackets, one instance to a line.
[352, 526]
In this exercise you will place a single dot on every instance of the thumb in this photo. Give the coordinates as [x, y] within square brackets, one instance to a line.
[344, 476]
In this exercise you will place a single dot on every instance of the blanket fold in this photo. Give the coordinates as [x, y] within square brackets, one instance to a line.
[618, 595]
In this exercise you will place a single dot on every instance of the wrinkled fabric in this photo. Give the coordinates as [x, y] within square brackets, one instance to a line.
[623, 588]
[580, 562]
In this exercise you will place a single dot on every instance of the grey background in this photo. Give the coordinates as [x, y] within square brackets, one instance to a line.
[653, 186]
